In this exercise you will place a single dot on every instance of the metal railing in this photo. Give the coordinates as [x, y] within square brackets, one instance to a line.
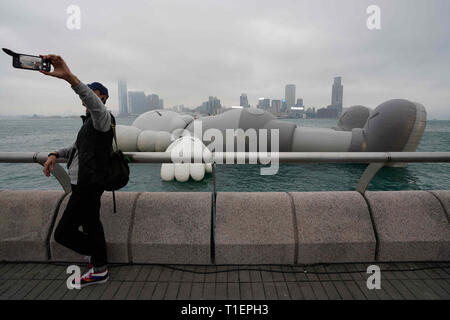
[376, 160]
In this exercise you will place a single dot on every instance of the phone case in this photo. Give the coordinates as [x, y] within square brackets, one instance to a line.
[45, 65]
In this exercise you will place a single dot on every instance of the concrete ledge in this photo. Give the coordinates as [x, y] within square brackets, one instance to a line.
[172, 228]
[444, 198]
[411, 225]
[116, 227]
[250, 228]
[254, 228]
[333, 227]
[26, 218]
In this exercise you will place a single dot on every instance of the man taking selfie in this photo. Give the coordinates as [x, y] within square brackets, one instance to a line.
[87, 163]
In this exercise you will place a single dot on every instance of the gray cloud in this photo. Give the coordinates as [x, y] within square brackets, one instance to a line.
[188, 50]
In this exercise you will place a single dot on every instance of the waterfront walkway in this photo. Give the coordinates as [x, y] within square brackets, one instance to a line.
[47, 281]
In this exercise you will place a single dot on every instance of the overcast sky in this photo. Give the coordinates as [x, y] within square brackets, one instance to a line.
[186, 51]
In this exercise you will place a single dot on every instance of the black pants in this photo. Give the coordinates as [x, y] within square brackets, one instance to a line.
[83, 209]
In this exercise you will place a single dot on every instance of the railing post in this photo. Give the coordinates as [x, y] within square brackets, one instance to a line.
[368, 175]
[59, 173]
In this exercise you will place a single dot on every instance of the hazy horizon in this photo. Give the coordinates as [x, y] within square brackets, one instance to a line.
[185, 51]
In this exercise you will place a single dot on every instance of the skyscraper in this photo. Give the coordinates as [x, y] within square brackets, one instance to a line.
[244, 100]
[212, 106]
[337, 94]
[123, 99]
[153, 102]
[283, 106]
[138, 102]
[290, 96]
[264, 103]
[299, 103]
[148, 101]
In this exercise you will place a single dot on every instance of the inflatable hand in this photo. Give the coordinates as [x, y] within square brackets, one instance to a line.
[181, 150]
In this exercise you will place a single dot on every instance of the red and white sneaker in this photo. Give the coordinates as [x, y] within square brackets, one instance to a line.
[91, 277]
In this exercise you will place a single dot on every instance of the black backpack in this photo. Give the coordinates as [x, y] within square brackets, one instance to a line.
[118, 170]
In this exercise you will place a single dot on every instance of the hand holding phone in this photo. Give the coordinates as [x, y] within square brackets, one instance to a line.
[28, 62]
[60, 69]
[43, 64]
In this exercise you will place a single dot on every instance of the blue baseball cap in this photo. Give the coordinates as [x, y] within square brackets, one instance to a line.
[98, 86]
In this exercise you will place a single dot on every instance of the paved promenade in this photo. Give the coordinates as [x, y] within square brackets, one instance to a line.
[170, 282]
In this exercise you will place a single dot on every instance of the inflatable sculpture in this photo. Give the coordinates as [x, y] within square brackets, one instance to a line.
[396, 125]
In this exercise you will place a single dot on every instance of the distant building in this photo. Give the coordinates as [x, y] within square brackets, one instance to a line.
[283, 106]
[337, 94]
[123, 99]
[297, 111]
[290, 96]
[264, 103]
[137, 102]
[214, 105]
[310, 113]
[328, 112]
[244, 100]
[148, 100]
[161, 103]
[153, 102]
[210, 107]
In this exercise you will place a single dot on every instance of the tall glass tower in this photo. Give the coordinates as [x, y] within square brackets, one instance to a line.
[337, 94]
[290, 96]
[123, 99]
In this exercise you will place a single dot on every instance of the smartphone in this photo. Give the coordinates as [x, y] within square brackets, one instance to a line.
[26, 61]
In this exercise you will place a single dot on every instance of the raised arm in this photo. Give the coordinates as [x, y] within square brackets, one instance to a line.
[100, 116]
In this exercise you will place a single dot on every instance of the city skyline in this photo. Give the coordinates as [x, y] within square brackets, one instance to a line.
[141, 103]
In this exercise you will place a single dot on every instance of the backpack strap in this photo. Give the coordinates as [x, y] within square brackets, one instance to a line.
[113, 126]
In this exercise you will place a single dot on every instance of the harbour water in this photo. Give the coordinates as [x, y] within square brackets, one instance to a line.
[44, 134]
